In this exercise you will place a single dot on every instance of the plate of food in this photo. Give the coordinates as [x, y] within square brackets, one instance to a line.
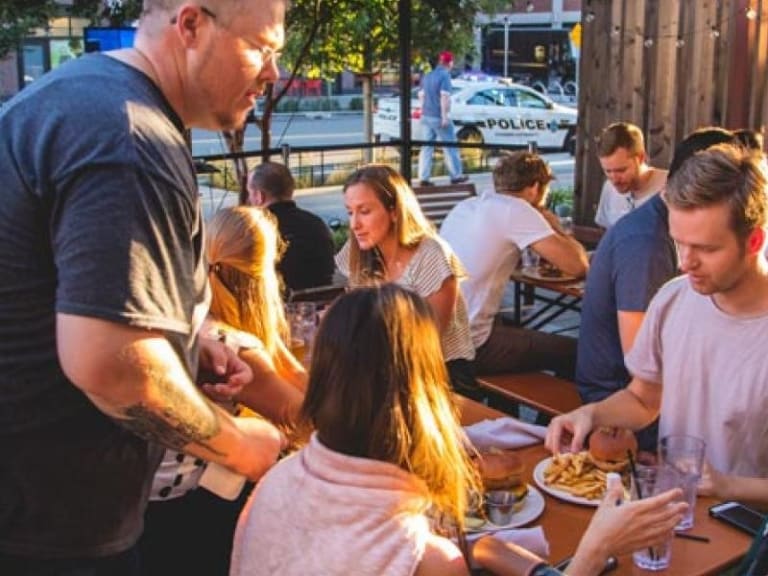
[579, 477]
[528, 506]
[509, 501]
[547, 273]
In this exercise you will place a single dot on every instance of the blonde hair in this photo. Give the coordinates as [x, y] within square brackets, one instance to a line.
[378, 389]
[411, 226]
[243, 246]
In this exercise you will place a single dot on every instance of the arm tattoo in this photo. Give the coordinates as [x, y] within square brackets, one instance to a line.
[183, 419]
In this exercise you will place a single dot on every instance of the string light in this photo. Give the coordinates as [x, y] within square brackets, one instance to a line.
[714, 32]
[589, 16]
[751, 13]
[616, 31]
[680, 42]
[648, 42]
[529, 6]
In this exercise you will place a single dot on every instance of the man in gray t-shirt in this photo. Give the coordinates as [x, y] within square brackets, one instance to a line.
[699, 359]
[103, 285]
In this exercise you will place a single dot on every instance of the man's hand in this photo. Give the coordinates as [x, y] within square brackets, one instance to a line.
[576, 424]
[219, 363]
[712, 482]
[260, 446]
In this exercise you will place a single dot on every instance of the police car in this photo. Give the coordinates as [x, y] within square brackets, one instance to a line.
[495, 113]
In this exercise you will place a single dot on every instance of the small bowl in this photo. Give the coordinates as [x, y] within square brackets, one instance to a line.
[501, 506]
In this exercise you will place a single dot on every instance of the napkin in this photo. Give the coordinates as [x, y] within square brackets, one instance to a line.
[504, 433]
[532, 539]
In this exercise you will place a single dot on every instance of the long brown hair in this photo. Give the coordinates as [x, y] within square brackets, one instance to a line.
[378, 389]
[411, 226]
[242, 246]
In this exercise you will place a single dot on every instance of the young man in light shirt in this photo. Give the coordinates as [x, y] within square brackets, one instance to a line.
[629, 180]
[698, 361]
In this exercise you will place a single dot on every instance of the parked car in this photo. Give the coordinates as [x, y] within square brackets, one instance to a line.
[493, 113]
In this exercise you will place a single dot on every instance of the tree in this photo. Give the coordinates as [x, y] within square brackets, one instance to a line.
[20, 18]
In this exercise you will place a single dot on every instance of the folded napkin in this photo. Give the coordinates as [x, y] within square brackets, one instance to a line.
[504, 433]
[532, 539]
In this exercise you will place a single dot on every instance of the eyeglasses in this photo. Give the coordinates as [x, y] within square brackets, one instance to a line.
[266, 53]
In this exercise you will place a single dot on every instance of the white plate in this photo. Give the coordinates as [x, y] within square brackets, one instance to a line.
[533, 506]
[535, 274]
[538, 477]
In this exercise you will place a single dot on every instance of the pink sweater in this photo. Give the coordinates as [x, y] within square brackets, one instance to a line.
[322, 512]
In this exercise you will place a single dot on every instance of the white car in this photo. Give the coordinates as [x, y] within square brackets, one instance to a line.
[493, 113]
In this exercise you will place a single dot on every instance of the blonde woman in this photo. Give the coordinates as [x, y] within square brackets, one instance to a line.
[391, 240]
[189, 529]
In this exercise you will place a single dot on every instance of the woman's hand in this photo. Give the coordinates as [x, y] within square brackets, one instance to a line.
[619, 527]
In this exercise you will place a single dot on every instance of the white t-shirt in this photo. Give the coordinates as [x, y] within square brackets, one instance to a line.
[488, 233]
[613, 205]
[714, 374]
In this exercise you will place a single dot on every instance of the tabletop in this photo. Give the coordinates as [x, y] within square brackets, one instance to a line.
[564, 523]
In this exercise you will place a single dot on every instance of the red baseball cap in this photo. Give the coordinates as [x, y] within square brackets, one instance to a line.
[445, 57]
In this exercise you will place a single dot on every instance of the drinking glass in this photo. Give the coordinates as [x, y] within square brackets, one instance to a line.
[530, 258]
[646, 482]
[684, 454]
[302, 321]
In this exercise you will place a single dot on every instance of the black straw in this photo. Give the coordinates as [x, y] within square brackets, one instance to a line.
[633, 471]
[695, 537]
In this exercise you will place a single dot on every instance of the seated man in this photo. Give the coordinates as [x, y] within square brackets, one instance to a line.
[699, 358]
[634, 259]
[488, 233]
[308, 259]
[629, 180]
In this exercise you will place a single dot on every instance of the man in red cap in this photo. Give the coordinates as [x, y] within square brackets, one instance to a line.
[436, 125]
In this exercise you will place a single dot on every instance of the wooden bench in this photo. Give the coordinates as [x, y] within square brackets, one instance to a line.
[437, 201]
[545, 393]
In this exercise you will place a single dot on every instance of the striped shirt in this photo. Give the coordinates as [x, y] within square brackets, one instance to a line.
[430, 266]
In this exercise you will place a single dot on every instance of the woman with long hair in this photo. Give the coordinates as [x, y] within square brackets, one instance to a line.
[392, 241]
[189, 529]
[386, 453]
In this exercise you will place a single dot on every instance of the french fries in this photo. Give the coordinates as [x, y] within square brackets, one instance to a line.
[577, 475]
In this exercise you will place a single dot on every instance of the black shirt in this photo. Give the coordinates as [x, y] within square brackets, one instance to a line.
[308, 260]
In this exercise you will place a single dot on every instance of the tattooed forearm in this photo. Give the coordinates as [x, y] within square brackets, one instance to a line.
[181, 417]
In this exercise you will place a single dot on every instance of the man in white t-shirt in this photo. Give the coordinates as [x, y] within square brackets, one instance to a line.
[488, 234]
[699, 359]
[629, 180]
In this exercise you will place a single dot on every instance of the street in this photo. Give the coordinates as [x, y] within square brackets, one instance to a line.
[327, 201]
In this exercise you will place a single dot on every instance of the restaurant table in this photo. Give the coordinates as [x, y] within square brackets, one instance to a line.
[567, 297]
[564, 523]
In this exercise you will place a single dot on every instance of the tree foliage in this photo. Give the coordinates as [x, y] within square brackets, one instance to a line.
[19, 18]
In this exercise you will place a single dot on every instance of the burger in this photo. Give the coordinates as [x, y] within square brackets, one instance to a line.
[609, 448]
[503, 470]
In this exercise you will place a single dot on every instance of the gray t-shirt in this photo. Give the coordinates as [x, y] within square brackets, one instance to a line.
[99, 217]
[714, 374]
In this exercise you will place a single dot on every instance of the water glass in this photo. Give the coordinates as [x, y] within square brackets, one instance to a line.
[684, 454]
[530, 258]
[650, 481]
[302, 321]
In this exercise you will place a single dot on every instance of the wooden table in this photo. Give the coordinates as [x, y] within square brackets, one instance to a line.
[564, 523]
[567, 297]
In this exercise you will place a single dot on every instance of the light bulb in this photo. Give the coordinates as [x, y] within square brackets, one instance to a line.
[529, 6]
[714, 32]
[616, 31]
[751, 13]
[680, 42]
[648, 42]
[589, 16]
